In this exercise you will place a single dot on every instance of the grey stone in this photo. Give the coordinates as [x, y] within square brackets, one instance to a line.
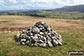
[29, 43]
[55, 43]
[17, 35]
[59, 43]
[35, 30]
[39, 35]
[23, 40]
[50, 44]
[42, 44]
[43, 23]
[40, 41]
[23, 43]
[49, 29]
[53, 38]
[23, 31]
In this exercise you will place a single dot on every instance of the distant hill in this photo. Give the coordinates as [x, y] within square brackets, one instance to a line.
[77, 8]
[68, 12]
[18, 11]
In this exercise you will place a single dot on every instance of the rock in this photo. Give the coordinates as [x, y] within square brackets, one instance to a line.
[49, 29]
[35, 30]
[50, 44]
[40, 41]
[59, 43]
[17, 37]
[23, 31]
[23, 43]
[39, 35]
[29, 43]
[55, 43]
[42, 45]
[60, 38]
[23, 40]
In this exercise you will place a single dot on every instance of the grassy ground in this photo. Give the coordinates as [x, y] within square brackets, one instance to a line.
[72, 32]
[71, 42]
[60, 25]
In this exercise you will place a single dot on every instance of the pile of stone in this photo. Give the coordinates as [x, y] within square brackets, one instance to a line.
[39, 35]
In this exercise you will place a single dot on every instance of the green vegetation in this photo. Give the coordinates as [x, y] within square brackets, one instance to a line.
[60, 15]
[71, 42]
[48, 14]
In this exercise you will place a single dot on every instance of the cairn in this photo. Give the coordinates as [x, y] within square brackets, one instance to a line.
[39, 35]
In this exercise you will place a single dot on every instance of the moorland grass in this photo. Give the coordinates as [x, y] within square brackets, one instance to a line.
[72, 32]
[71, 42]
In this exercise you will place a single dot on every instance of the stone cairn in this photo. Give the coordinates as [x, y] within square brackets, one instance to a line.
[39, 35]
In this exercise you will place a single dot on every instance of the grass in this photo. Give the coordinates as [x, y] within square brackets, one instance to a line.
[72, 32]
[71, 42]
[59, 25]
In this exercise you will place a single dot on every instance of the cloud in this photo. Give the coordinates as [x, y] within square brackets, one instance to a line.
[1, 2]
[13, 1]
[37, 4]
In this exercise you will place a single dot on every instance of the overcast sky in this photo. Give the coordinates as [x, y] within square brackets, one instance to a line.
[36, 4]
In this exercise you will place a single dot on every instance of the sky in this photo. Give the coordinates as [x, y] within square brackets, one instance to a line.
[37, 4]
